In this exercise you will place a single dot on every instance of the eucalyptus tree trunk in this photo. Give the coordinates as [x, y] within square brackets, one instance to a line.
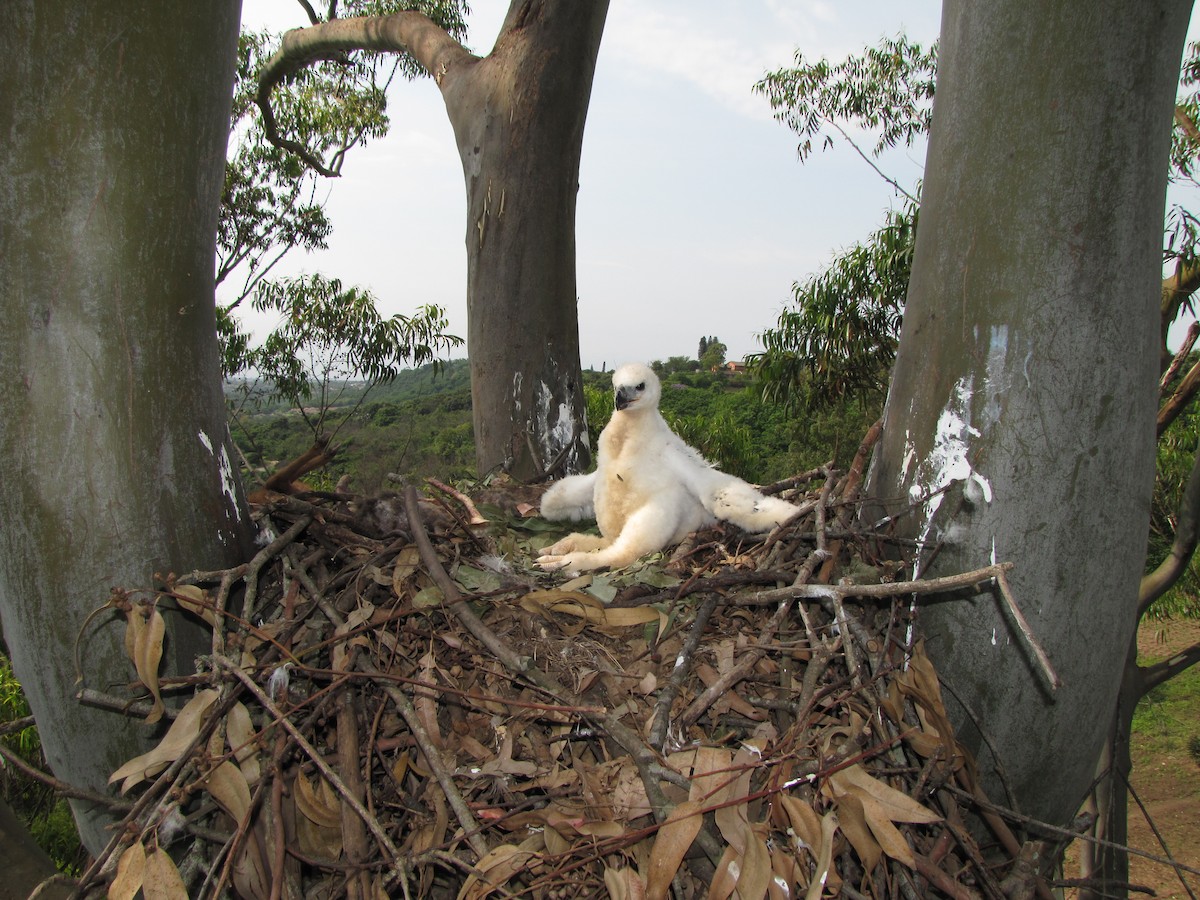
[518, 117]
[114, 452]
[1024, 383]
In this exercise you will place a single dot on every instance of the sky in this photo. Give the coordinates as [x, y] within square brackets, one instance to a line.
[694, 216]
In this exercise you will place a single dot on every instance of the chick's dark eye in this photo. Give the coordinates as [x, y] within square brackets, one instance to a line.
[642, 386]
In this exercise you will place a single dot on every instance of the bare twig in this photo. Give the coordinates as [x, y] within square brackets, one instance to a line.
[1180, 357]
[666, 697]
[318, 760]
[467, 503]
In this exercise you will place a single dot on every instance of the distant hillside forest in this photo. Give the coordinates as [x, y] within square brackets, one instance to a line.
[419, 425]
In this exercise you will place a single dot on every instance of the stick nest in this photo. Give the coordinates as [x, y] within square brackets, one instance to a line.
[398, 704]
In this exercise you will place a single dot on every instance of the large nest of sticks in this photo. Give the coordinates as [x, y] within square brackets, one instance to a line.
[397, 703]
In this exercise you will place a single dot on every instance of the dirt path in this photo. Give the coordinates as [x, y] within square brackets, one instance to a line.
[1168, 784]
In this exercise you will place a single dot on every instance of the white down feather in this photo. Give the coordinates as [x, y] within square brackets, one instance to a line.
[649, 490]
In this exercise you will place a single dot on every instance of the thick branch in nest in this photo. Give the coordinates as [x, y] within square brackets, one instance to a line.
[502, 739]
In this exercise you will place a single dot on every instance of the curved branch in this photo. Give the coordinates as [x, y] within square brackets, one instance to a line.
[405, 32]
[1177, 289]
[1158, 582]
[1179, 400]
[1181, 355]
[1155, 674]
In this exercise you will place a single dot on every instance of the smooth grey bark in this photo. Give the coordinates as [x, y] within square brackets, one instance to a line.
[114, 452]
[518, 118]
[1026, 370]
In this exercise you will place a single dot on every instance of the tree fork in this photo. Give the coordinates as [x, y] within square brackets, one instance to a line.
[518, 117]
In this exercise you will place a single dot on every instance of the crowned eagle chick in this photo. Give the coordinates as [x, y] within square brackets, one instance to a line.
[649, 490]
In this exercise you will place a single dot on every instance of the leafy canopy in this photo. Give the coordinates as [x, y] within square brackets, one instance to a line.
[271, 207]
[839, 337]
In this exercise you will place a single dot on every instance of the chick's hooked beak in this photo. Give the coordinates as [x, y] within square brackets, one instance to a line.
[627, 394]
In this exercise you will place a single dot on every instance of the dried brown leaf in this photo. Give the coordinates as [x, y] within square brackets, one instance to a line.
[896, 805]
[319, 820]
[177, 739]
[823, 875]
[320, 805]
[408, 561]
[867, 808]
[193, 599]
[733, 819]
[805, 822]
[228, 787]
[852, 819]
[161, 880]
[359, 617]
[131, 868]
[731, 698]
[624, 884]
[789, 875]
[756, 873]
[711, 775]
[670, 846]
[425, 704]
[588, 608]
[724, 880]
[240, 732]
[496, 868]
[147, 654]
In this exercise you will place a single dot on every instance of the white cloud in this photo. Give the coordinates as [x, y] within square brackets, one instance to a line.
[720, 55]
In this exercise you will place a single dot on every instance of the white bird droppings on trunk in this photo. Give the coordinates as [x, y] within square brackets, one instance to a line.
[225, 468]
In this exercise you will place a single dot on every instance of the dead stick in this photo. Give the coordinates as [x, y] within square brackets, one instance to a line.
[666, 697]
[319, 761]
[1027, 632]
[468, 504]
[941, 880]
[1056, 831]
[354, 835]
[747, 662]
[462, 812]
[454, 600]
[264, 556]
[625, 737]
[924, 586]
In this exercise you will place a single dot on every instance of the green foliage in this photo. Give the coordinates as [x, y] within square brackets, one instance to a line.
[888, 90]
[1185, 138]
[599, 403]
[1183, 227]
[47, 817]
[333, 343]
[834, 348]
[417, 425]
[1165, 718]
[329, 335]
[840, 339]
[420, 425]
[674, 365]
[1177, 450]
[712, 354]
[269, 206]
